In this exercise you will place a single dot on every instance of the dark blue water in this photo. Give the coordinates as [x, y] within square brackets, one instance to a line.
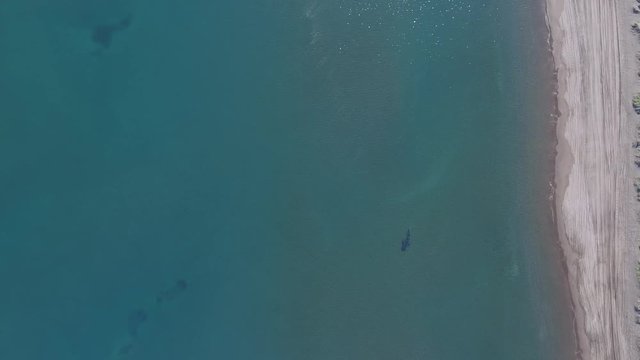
[233, 180]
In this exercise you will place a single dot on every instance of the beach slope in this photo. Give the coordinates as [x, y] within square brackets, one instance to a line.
[592, 186]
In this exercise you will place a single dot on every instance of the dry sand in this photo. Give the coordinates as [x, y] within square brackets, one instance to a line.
[593, 177]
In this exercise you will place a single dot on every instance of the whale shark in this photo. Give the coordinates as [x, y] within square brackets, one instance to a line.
[407, 241]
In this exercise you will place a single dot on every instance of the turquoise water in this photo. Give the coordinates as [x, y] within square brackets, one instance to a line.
[233, 179]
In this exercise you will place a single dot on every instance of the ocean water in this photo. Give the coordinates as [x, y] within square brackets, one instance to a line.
[233, 180]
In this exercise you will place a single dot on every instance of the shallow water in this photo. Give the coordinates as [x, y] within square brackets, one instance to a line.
[235, 179]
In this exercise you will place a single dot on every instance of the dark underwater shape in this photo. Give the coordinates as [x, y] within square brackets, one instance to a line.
[125, 349]
[406, 241]
[170, 293]
[136, 319]
[103, 34]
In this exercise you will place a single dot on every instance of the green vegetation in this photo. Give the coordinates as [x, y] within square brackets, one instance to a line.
[636, 103]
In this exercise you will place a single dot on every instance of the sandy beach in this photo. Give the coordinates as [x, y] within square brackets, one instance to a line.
[594, 193]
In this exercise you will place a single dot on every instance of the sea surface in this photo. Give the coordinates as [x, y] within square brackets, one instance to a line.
[233, 180]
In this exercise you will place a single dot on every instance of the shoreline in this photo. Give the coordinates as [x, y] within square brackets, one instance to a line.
[558, 179]
[563, 161]
[591, 182]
